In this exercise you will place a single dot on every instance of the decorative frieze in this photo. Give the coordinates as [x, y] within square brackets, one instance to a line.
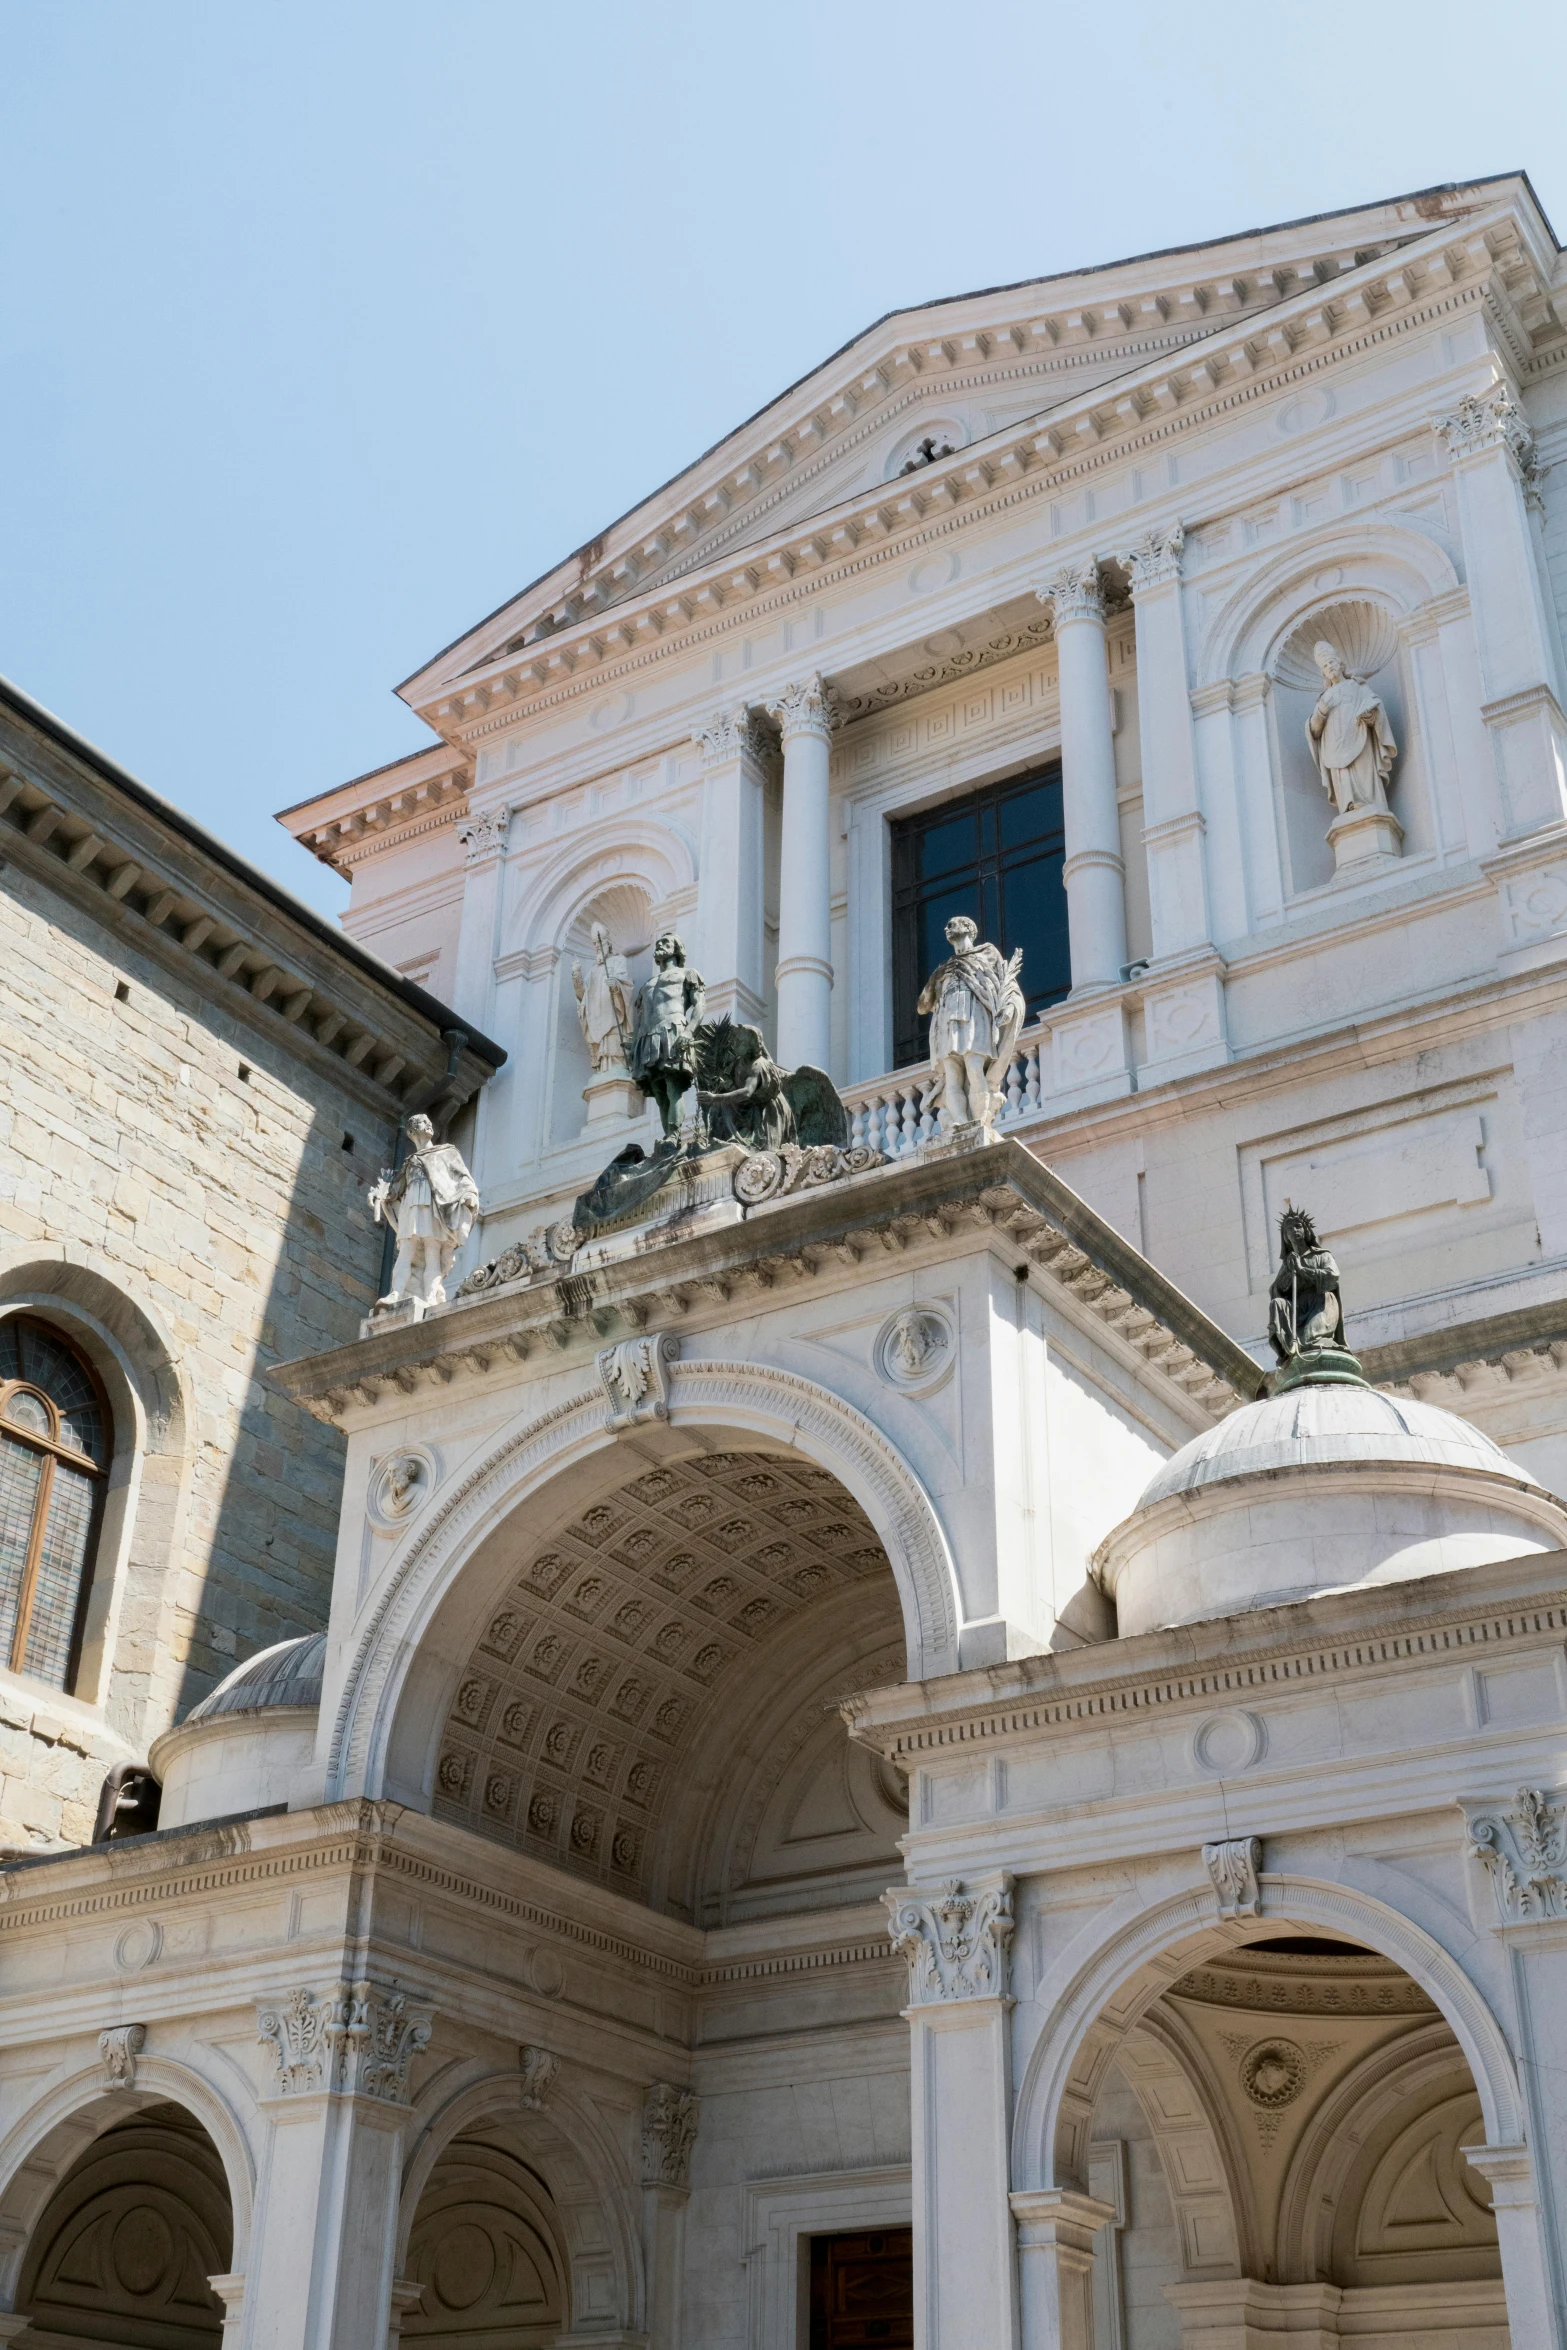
[357, 2040]
[669, 2122]
[635, 1378]
[538, 2068]
[118, 2049]
[548, 1249]
[1232, 1865]
[1524, 1853]
[765, 1175]
[955, 1942]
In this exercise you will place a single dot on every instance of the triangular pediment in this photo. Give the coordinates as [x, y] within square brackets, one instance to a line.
[928, 384]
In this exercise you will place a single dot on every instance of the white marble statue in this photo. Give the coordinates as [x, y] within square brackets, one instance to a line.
[430, 1204]
[603, 991]
[1350, 738]
[976, 1012]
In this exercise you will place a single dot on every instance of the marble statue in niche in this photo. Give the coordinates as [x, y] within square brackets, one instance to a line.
[603, 990]
[976, 1008]
[429, 1202]
[663, 1043]
[1305, 1311]
[1350, 738]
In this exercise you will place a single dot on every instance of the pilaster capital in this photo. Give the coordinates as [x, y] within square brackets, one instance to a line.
[733, 734]
[1523, 1850]
[1059, 2219]
[484, 837]
[1154, 561]
[669, 2120]
[1077, 592]
[804, 708]
[1493, 420]
[355, 2040]
[955, 1941]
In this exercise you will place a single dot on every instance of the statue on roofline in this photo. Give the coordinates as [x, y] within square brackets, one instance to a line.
[429, 1202]
[1305, 1312]
[976, 1008]
[664, 1022]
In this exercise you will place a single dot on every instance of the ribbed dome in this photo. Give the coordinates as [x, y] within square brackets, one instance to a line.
[1318, 1426]
[288, 1674]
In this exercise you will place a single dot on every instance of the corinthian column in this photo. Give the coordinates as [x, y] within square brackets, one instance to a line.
[803, 712]
[1093, 872]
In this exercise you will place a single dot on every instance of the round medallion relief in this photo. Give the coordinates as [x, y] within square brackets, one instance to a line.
[914, 1349]
[464, 2266]
[546, 1974]
[1228, 1742]
[936, 571]
[1272, 2073]
[400, 1485]
[141, 2251]
[138, 1946]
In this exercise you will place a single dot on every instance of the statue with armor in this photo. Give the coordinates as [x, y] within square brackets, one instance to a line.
[663, 1039]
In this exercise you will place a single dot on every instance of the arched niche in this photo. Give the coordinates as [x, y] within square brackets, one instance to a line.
[519, 2211]
[134, 1357]
[1367, 589]
[455, 1602]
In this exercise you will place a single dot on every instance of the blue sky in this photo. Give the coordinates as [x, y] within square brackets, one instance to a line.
[328, 325]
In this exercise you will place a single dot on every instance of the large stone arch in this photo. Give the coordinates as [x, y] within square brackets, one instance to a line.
[1111, 1990]
[366, 1694]
[566, 2127]
[52, 2135]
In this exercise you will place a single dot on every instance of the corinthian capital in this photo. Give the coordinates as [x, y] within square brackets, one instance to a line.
[1075, 592]
[1155, 560]
[1491, 420]
[732, 734]
[357, 2040]
[955, 1942]
[803, 708]
[484, 836]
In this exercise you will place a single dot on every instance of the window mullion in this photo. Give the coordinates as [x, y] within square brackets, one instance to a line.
[24, 1597]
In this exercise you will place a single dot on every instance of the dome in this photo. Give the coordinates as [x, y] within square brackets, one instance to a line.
[1326, 1487]
[288, 1674]
[1310, 1425]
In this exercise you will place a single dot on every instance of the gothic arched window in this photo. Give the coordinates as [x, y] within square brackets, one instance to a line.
[55, 1441]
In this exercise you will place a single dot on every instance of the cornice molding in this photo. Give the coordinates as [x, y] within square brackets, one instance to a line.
[967, 483]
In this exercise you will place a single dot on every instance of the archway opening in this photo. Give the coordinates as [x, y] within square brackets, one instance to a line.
[1279, 2129]
[123, 2251]
[651, 1698]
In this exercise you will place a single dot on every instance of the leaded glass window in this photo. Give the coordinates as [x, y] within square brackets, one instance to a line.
[54, 1455]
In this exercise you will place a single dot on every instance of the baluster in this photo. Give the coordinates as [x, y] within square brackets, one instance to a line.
[908, 1118]
[1034, 1091]
[1012, 1107]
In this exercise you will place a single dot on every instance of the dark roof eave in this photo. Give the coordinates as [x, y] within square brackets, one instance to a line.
[426, 1007]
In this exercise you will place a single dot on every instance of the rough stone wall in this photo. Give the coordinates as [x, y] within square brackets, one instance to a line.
[229, 1208]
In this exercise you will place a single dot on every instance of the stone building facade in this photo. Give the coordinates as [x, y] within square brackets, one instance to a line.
[201, 1081]
[876, 1774]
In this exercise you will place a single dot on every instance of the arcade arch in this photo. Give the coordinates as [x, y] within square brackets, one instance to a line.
[1287, 2108]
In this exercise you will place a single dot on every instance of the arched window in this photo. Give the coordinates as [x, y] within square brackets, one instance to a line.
[55, 1442]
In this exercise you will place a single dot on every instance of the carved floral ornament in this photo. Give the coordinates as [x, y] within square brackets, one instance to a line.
[1523, 1851]
[635, 1378]
[357, 2040]
[1232, 1868]
[118, 2049]
[669, 2122]
[538, 2068]
[955, 1941]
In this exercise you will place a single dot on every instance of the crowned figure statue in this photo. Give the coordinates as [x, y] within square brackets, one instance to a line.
[1305, 1312]
[430, 1203]
[975, 1003]
[1349, 736]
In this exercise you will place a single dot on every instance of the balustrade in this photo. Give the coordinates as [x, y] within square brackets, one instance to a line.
[896, 1114]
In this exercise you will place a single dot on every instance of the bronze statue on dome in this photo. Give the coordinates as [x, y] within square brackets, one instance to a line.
[1306, 1313]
